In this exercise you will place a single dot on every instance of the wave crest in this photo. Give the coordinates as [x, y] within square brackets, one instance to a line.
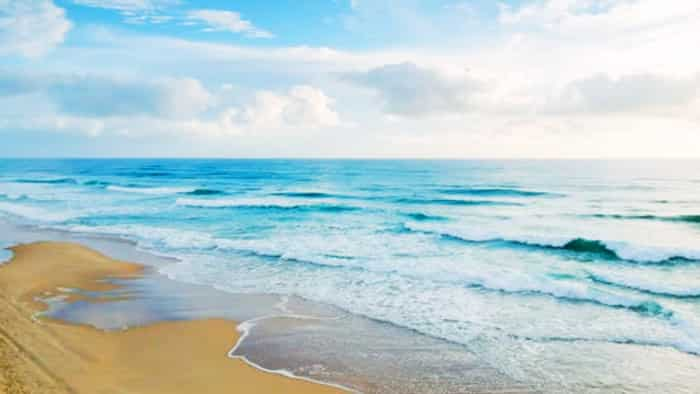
[607, 250]
[48, 181]
[496, 192]
[204, 192]
[644, 286]
[582, 245]
[455, 202]
[676, 218]
[150, 190]
[264, 203]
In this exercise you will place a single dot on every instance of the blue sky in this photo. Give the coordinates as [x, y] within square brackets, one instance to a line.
[314, 22]
[350, 78]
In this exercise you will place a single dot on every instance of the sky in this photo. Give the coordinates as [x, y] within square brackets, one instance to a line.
[350, 78]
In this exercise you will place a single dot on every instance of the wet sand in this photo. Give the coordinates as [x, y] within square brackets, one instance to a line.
[43, 355]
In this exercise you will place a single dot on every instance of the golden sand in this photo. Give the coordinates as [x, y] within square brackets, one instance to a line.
[46, 356]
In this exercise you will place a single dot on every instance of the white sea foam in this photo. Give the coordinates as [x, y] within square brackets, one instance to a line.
[152, 236]
[485, 270]
[372, 255]
[452, 312]
[34, 191]
[37, 213]
[651, 253]
[259, 202]
[679, 284]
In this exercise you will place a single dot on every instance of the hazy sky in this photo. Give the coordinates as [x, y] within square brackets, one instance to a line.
[350, 78]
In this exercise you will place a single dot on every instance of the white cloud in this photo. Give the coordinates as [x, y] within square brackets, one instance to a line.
[100, 96]
[127, 5]
[557, 40]
[635, 93]
[298, 111]
[135, 11]
[301, 107]
[231, 21]
[103, 97]
[599, 17]
[95, 105]
[31, 27]
[16, 83]
[410, 90]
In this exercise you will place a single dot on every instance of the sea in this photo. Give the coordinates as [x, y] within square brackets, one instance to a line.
[554, 275]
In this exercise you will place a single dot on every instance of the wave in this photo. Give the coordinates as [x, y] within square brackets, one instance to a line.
[315, 264]
[677, 218]
[48, 181]
[422, 217]
[454, 202]
[96, 183]
[333, 208]
[263, 203]
[204, 192]
[14, 197]
[305, 194]
[582, 245]
[151, 190]
[507, 282]
[688, 345]
[621, 252]
[644, 286]
[170, 238]
[518, 284]
[521, 284]
[606, 250]
[147, 174]
[496, 192]
[36, 213]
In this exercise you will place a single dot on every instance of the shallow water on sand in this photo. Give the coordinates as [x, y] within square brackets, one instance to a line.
[579, 276]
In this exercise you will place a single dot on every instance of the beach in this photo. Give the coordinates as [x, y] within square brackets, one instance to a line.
[44, 355]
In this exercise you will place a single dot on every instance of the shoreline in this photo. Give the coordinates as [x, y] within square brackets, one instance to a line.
[42, 354]
[297, 337]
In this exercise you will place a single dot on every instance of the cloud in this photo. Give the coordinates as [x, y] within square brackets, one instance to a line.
[410, 90]
[31, 27]
[220, 20]
[302, 106]
[640, 93]
[12, 84]
[127, 5]
[100, 96]
[93, 105]
[135, 11]
[598, 17]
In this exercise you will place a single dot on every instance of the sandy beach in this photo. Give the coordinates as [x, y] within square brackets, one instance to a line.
[42, 355]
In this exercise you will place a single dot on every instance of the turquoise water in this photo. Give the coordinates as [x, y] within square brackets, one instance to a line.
[525, 263]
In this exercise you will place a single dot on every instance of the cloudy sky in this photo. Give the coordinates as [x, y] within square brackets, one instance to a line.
[350, 78]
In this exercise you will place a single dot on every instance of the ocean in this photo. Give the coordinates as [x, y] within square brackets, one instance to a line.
[548, 271]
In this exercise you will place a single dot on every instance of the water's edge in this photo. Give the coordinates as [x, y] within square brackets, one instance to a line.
[264, 312]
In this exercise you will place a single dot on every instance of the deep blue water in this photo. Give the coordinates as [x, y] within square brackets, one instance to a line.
[505, 257]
